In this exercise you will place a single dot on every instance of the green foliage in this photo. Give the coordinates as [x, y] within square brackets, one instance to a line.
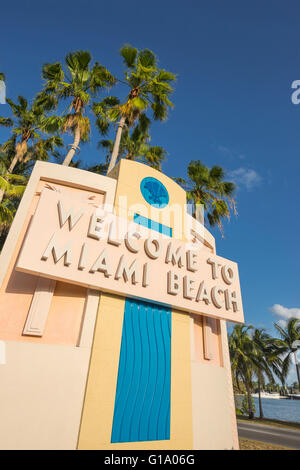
[205, 186]
[102, 110]
[255, 355]
[238, 404]
[12, 187]
[6, 122]
[288, 335]
[149, 88]
[100, 169]
[129, 54]
[29, 125]
[78, 84]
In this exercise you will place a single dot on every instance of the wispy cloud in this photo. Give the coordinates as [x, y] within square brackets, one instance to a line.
[228, 152]
[224, 150]
[246, 177]
[284, 313]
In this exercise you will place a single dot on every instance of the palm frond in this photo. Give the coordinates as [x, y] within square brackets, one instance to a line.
[129, 54]
[147, 58]
[6, 122]
[53, 72]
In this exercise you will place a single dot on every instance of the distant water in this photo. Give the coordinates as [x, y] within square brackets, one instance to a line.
[286, 410]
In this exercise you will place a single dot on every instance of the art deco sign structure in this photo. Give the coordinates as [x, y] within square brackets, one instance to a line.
[113, 310]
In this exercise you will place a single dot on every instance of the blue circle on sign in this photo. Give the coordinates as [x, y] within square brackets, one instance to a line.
[154, 192]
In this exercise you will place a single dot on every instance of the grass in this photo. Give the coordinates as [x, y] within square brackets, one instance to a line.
[247, 444]
[271, 422]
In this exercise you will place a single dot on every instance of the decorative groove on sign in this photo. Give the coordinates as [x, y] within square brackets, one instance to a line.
[142, 404]
[207, 338]
[39, 308]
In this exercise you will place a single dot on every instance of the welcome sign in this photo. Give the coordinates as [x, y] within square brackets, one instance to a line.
[81, 244]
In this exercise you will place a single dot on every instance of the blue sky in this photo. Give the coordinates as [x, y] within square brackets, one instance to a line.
[235, 62]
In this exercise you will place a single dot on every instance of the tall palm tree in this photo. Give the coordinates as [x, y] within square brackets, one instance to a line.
[206, 186]
[148, 87]
[136, 146]
[290, 334]
[78, 84]
[28, 124]
[241, 349]
[266, 361]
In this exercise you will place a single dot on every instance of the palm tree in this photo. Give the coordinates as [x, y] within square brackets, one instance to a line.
[8, 150]
[135, 146]
[28, 124]
[79, 84]
[290, 334]
[241, 349]
[266, 361]
[206, 186]
[12, 186]
[149, 87]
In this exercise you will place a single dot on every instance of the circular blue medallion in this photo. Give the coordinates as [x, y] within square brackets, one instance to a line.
[154, 192]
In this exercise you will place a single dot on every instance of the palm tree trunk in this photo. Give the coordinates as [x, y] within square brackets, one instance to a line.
[74, 147]
[13, 164]
[115, 152]
[1, 195]
[261, 413]
[250, 407]
[238, 385]
[297, 368]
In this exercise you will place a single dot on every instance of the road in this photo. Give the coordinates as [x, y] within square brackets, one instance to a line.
[273, 435]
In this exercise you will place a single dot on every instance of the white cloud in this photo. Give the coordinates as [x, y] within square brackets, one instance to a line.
[285, 313]
[246, 177]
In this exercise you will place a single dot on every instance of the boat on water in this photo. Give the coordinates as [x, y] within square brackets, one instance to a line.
[277, 396]
[274, 395]
[294, 396]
